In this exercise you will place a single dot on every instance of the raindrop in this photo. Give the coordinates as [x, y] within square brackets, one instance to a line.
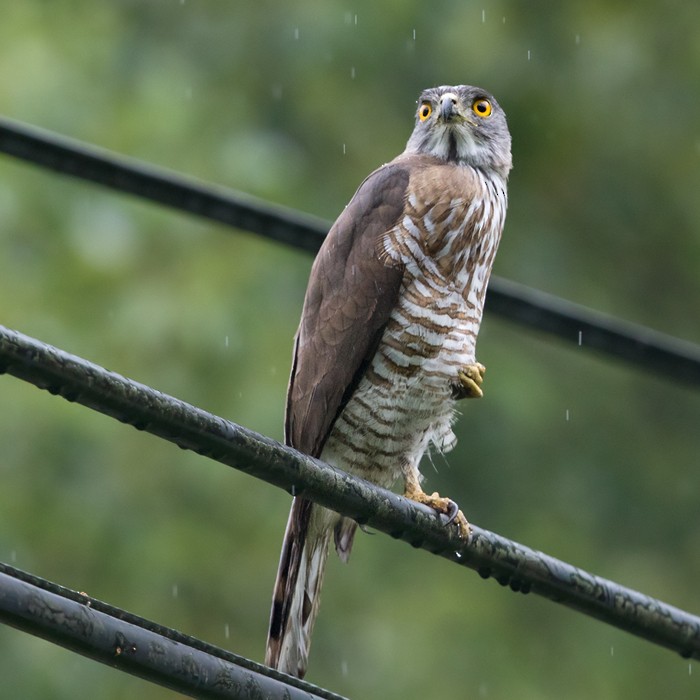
[483, 16]
[175, 592]
[355, 20]
[528, 54]
[344, 150]
[227, 631]
[352, 73]
[294, 490]
[690, 669]
[344, 668]
[296, 33]
[504, 19]
[414, 35]
[568, 415]
[612, 651]
[580, 338]
[226, 342]
[578, 39]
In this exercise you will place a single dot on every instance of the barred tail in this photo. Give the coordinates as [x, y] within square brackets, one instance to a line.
[297, 592]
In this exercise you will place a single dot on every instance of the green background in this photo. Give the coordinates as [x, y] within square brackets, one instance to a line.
[295, 102]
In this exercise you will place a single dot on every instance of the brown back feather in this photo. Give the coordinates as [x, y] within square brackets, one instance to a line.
[350, 296]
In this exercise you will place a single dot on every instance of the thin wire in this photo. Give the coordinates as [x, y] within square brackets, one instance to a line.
[99, 166]
[647, 349]
[510, 563]
[140, 647]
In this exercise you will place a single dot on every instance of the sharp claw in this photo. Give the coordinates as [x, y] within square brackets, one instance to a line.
[442, 506]
[453, 510]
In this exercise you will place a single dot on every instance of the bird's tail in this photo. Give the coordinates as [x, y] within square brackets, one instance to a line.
[297, 592]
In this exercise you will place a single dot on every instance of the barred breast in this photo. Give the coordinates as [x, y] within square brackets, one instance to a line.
[446, 242]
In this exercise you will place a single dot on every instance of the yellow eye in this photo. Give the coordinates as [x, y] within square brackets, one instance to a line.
[426, 109]
[482, 107]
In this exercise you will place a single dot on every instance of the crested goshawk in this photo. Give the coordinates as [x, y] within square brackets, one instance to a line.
[387, 338]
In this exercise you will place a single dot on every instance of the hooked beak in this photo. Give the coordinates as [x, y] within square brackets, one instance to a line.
[448, 107]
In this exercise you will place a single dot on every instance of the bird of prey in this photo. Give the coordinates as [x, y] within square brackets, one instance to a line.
[387, 338]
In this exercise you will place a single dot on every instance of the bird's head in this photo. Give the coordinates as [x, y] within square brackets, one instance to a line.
[462, 124]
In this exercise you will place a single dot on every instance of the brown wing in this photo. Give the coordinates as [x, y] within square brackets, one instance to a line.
[350, 296]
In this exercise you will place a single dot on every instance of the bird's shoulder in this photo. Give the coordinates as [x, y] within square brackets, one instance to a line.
[432, 179]
[381, 197]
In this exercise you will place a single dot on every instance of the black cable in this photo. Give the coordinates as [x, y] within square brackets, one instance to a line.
[510, 563]
[651, 351]
[140, 647]
[134, 177]
[647, 349]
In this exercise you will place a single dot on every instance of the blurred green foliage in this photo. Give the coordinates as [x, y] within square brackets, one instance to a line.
[296, 102]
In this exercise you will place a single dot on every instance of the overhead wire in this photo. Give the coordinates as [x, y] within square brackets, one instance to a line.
[138, 646]
[647, 349]
[512, 564]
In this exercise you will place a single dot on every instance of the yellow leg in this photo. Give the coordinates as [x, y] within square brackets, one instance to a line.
[414, 492]
[469, 381]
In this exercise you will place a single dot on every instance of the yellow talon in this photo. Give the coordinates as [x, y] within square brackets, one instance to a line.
[441, 505]
[470, 379]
